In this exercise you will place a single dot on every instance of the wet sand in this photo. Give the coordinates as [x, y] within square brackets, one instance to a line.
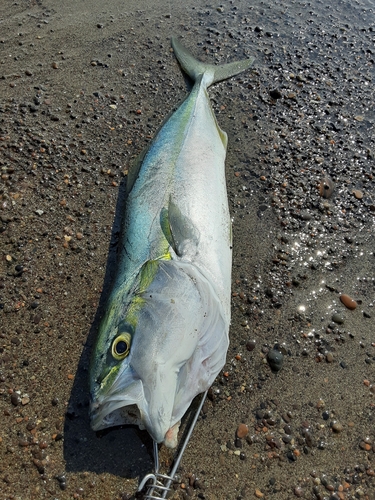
[84, 87]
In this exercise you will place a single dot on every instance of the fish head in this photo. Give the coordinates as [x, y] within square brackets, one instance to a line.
[141, 370]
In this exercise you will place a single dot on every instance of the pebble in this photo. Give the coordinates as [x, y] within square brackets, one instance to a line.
[25, 400]
[306, 216]
[15, 399]
[242, 431]
[250, 345]
[31, 424]
[286, 417]
[348, 301]
[275, 360]
[329, 357]
[61, 478]
[275, 94]
[298, 491]
[358, 194]
[338, 318]
[337, 427]
[365, 444]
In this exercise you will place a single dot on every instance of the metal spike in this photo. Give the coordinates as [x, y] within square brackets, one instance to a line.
[161, 483]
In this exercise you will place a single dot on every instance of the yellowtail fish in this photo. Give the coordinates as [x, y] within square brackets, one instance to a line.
[164, 335]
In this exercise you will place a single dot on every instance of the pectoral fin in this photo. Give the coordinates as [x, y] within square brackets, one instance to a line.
[185, 236]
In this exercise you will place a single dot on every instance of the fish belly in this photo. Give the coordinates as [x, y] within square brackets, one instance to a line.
[200, 192]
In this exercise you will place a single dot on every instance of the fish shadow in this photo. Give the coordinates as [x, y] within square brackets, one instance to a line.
[85, 450]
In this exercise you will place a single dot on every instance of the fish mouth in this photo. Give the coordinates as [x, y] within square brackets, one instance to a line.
[115, 409]
[133, 409]
[102, 418]
[130, 415]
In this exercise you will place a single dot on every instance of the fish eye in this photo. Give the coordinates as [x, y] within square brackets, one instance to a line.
[121, 346]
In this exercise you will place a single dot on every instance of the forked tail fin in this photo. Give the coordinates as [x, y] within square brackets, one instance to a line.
[208, 72]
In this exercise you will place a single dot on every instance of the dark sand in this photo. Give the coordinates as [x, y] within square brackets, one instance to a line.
[85, 86]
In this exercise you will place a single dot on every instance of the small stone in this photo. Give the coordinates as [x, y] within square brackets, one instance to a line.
[366, 314]
[31, 424]
[358, 194]
[15, 399]
[298, 491]
[250, 345]
[365, 446]
[306, 216]
[348, 301]
[39, 465]
[25, 400]
[275, 94]
[242, 431]
[329, 357]
[337, 427]
[338, 318]
[286, 418]
[275, 360]
[54, 65]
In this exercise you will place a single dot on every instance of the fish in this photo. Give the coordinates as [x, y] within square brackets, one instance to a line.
[164, 333]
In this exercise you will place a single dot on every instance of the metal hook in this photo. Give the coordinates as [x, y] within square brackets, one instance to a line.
[161, 483]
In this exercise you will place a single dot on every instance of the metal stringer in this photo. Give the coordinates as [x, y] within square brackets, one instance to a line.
[159, 485]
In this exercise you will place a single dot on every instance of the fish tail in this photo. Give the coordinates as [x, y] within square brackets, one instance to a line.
[208, 72]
